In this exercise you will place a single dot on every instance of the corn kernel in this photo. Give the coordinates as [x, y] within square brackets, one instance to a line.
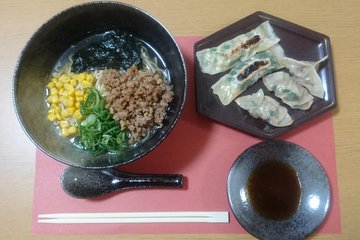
[71, 110]
[77, 115]
[89, 78]
[72, 130]
[51, 117]
[79, 93]
[59, 85]
[73, 82]
[65, 132]
[51, 111]
[64, 78]
[63, 98]
[77, 105]
[86, 84]
[64, 124]
[52, 106]
[68, 86]
[61, 91]
[68, 102]
[79, 99]
[53, 99]
[71, 92]
[54, 79]
[58, 116]
[54, 109]
[65, 113]
[82, 76]
[54, 91]
[51, 85]
[58, 110]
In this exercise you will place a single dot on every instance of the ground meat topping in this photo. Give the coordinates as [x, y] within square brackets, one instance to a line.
[137, 99]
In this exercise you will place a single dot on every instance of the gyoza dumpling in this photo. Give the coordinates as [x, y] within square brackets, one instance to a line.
[306, 73]
[223, 57]
[291, 93]
[246, 73]
[266, 108]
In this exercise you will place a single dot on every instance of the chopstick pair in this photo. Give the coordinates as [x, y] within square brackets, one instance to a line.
[136, 217]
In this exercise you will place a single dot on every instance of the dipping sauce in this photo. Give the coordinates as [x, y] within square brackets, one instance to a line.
[274, 190]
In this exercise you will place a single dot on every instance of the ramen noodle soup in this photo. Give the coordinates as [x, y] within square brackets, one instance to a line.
[108, 93]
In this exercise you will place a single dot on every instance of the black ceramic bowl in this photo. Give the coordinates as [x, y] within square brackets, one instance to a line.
[314, 197]
[55, 37]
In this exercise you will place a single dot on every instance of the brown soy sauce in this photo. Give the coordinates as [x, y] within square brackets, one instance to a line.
[274, 190]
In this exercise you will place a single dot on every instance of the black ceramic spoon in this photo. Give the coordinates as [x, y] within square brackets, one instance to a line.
[89, 183]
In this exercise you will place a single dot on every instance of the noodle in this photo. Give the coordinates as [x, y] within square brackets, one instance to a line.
[99, 85]
[152, 64]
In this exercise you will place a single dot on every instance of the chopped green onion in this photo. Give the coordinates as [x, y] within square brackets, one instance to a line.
[99, 132]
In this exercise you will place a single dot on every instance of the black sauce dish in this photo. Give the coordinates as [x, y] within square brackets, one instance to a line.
[56, 36]
[254, 203]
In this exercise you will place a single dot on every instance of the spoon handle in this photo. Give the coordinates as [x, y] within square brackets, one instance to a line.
[130, 180]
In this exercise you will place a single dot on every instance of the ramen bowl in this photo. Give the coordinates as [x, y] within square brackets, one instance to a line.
[64, 31]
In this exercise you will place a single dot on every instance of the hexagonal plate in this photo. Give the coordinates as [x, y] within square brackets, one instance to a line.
[299, 43]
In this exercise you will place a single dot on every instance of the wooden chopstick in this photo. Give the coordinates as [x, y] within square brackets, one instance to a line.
[136, 217]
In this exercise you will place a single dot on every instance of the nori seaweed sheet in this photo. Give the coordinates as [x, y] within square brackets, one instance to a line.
[115, 50]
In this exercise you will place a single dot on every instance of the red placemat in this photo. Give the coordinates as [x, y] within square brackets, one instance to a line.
[200, 149]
